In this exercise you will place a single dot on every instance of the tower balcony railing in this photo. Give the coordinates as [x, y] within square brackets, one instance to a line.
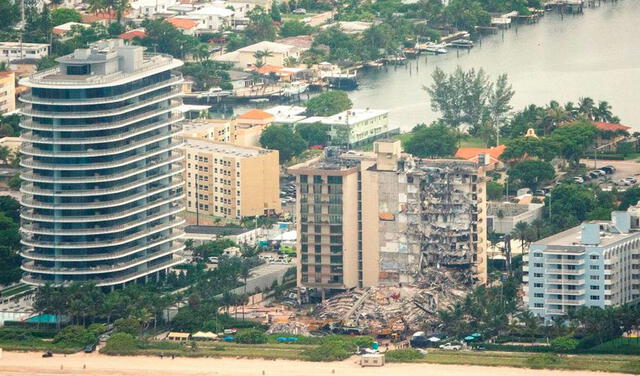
[29, 111]
[28, 162]
[36, 279]
[28, 240]
[29, 124]
[176, 78]
[30, 266]
[29, 137]
[174, 208]
[90, 152]
[32, 255]
[30, 189]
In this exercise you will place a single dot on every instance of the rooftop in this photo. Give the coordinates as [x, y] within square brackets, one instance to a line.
[255, 114]
[470, 153]
[209, 146]
[286, 112]
[131, 63]
[215, 230]
[266, 45]
[354, 116]
[610, 127]
[24, 45]
[212, 10]
[182, 23]
[572, 237]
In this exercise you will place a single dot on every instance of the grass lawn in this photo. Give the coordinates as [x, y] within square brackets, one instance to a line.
[607, 363]
[226, 349]
[296, 17]
[619, 345]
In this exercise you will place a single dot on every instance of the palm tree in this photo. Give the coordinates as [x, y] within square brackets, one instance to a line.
[603, 112]
[97, 6]
[5, 152]
[571, 109]
[290, 62]
[202, 52]
[520, 231]
[554, 115]
[260, 57]
[245, 272]
[586, 106]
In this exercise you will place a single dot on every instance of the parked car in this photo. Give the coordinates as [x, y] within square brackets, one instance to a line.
[450, 346]
[601, 172]
[623, 182]
[609, 169]
[47, 354]
[631, 180]
[213, 259]
[90, 348]
[594, 174]
[578, 179]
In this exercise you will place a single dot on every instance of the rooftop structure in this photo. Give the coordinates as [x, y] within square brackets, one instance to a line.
[103, 185]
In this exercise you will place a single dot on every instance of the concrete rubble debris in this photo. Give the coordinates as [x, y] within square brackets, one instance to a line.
[291, 327]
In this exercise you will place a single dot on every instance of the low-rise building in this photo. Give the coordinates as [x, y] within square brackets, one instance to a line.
[287, 115]
[211, 17]
[187, 25]
[7, 92]
[16, 50]
[249, 127]
[66, 28]
[219, 130]
[359, 126]
[596, 264]
[488, 157]
[502, 217]
[231, 181]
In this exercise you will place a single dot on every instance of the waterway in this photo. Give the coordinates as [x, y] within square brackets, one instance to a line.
[595, 55]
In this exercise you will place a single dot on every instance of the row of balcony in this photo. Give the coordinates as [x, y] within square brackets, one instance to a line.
[174, 209]
[30, 189]
[111, 177]
[29, 240]
[29, 124]
[32, 279]
[175, 79]
[29, 137]
[29, 111]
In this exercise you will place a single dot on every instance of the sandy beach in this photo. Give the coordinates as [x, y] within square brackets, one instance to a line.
[32, 364]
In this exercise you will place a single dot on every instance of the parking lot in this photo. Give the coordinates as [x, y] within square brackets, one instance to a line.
[626, 174]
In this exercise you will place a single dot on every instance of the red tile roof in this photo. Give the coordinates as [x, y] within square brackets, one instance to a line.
[470, 153]
[610, 126]
[129, 35]
[255, 115]
[182, 23]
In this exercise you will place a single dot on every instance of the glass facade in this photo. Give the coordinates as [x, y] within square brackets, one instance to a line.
[102, 180]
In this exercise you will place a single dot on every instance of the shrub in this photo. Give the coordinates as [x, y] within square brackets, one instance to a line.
[564, 344]
[546, 360]
[121, 344]
[74, 336]
[632, 366]
[251, 336]
[128, 325]
[403, 355]
[327, 352]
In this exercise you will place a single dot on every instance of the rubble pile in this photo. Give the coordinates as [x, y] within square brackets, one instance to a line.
[291, 327]
[396, 310]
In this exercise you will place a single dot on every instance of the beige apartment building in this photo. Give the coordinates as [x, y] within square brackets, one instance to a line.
[7, 92]
[221, 130]
[386, 218]
[231, 181]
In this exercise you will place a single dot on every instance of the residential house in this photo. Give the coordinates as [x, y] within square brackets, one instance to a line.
[187, 25]
[249, 127]
[10, 51]
[211, 17]
[610, 135]
[488, 157]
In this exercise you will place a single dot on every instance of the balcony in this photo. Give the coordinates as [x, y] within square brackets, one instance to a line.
[97, 204]
[33, 280]
[563, 261]
[30, 163]
[565, 291]
[30, 267]
[28, 124]
[89, 152]
[102, 178]
[565, 271]
[566, 302]
[27, 239]
[173, 210]
[100, 217]
[28, 188]
[562, 281]
[173, 93]
[174, 80]
[31, 255]
[554, 312]
[29, 137]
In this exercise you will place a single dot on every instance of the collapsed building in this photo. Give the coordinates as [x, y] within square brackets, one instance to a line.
[386, 220]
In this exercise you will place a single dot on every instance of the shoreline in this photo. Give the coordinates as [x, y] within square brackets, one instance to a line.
[32, 364]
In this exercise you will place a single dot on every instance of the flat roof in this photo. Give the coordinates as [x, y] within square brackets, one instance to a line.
[224, 148]
[572, 236]
[216, 230]
[353, 116]
[24, 44]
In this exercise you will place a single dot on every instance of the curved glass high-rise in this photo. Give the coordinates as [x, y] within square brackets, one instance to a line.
[102, 175]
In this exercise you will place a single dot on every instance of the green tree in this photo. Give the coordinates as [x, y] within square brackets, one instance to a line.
[570, 204]
[60, 16]
[9, 14]
[275, 12]
[603, 112]
[129, 325]
[572, 140]
[329, 103]
[530, 173]
[251, 336]
[281, 138]
[260, 27]
[495, 191]
[161, 36]
[436, 140]
[121, 344]
[630, 197]
[314, 133]
[499, 102]
[14, 182]
[5, 152]
[294, 28]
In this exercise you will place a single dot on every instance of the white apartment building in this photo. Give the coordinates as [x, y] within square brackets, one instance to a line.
[16, 50]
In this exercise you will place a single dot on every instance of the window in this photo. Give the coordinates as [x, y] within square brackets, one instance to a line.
[594, 277]
[537, 265]
[539, 285]
[537, 275]
[593, 287]
[594, 297]
[594, 257]
[594, 267]
[538, 305]
[538, 295]
[537, 254]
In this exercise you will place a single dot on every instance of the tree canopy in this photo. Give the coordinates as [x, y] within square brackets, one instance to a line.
[282, 139]
[436, 140]
[530, 173]
[314, 133]
[329, 103]
[60, 16]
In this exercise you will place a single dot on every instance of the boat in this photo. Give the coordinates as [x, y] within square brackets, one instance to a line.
[461, 43]
[375, 63]
[259, 100]
[410, 52]
[436, 49]
[294, 88]
[395, 59]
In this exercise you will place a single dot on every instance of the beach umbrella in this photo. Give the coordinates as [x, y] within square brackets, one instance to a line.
[469, 338]
[281, 339]
[228, 338]
[476, 335]
[434, 339]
